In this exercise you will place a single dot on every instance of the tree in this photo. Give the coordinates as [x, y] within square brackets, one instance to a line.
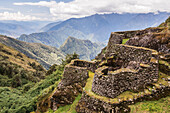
[69, 58]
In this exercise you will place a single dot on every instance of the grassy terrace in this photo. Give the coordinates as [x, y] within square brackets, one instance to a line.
[158, 106]
[125, 96]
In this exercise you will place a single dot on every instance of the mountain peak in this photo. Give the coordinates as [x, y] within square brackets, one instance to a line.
[85, 48]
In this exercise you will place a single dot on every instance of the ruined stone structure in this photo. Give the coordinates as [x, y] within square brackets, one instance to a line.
[139, 67]
[123, 74]
[74, 79]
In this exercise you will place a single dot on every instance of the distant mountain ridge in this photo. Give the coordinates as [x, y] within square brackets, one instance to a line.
[16, 28]
[48, 26]
[85, 48]
[44, 54]
[96, 28]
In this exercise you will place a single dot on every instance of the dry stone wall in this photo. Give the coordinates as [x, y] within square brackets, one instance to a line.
[88, 104]
[74, 79]
[92, 66]
[136, 72]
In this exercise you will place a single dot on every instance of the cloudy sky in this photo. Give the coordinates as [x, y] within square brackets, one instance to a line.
[55, 10]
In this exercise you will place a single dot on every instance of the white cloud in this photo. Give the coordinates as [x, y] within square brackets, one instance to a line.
[6, 9]
[81, 8]
[18, 16]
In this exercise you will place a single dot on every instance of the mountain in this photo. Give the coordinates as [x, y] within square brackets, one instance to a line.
[12, 29]
[53, 38]
[85, 48]
[16, 28]
[96, 28]
[16, 69]
[48, 26]
[45, 55]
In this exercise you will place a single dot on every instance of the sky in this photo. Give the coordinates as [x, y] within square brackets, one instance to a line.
[59, 10]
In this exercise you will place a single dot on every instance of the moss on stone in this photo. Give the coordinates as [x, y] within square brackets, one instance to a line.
[124, 41]
[164, 63]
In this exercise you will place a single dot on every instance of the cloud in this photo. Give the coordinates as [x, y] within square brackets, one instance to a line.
[6, 9]
[18, 16]
[81, 8]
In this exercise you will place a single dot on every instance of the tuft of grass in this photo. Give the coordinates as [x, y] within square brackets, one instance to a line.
[125, 40]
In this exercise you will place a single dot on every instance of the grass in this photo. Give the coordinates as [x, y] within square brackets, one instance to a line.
[125, 40]
[159, 106]
[69, 108]
[17, 57]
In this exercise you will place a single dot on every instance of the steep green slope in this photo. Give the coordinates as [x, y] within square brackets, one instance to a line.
[85, 48]
[16, 69]
[24, 100]
[45, 55]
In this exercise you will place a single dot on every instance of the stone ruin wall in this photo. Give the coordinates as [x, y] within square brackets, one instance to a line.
[77, 71]
[128, 53]
[91, 66]
[88, 104]
[74, 79]
[130, 76]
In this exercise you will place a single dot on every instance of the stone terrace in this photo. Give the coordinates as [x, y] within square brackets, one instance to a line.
[136, 69]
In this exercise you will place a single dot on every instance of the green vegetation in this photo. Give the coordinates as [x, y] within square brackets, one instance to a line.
[68, 108]
[124, 41]
[69, 57]
[158, 106]
[17, 70]
[25, 97]
[21, 101]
